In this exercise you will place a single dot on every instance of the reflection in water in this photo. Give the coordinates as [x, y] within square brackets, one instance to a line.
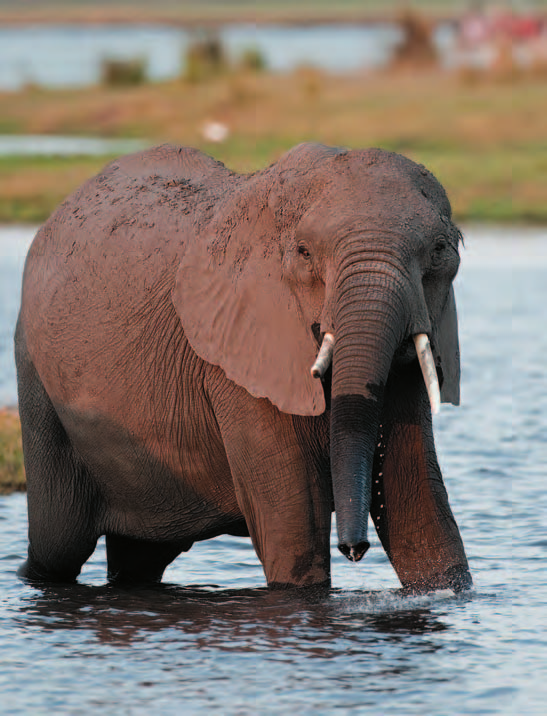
[248, 620]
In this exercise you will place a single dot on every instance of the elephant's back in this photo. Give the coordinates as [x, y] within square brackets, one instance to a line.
[143, 202]
[104, 264]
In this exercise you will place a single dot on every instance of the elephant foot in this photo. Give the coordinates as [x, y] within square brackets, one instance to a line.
[25, 572]
[131, 581]
[33, 573]
[458, 578]
[310, 591]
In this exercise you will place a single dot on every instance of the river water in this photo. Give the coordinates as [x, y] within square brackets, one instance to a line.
[213, 640]
[71, 55]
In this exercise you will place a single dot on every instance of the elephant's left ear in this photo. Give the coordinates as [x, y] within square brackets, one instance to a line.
[448, 348]
[239, 313]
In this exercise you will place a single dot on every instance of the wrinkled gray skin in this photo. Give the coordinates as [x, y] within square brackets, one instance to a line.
[171, 312]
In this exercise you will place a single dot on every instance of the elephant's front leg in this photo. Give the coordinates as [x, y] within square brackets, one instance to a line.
[410, 507]
[283, 494]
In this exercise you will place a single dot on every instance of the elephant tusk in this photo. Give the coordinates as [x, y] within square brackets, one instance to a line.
[429, 371]
[324, 357]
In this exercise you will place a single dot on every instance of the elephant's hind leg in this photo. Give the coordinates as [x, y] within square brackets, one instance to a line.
[61, 504]
[134, 561]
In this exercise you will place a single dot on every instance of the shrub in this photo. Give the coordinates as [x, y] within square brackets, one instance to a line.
[417, 48]
[252, 59]
[123, 73]
[205, 58]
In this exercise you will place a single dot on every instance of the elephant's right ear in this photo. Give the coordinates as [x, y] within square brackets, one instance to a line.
[239, 313]
[449, 351]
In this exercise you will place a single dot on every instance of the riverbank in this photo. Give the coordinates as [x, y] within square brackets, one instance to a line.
[12, 472]
[485, 138]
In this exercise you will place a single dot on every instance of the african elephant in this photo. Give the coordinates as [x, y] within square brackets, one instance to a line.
[171, 313]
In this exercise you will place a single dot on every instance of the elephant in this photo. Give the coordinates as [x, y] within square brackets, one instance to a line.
[201, 352]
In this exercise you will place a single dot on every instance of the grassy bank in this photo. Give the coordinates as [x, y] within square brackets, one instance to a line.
[485, 139]
[31, 187]
[12, 473]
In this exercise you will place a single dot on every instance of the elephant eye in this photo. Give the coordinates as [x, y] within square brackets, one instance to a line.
[438, 252]
[440, 246]
[303, 251]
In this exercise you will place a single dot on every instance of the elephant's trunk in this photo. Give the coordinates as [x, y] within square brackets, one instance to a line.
[371, 320]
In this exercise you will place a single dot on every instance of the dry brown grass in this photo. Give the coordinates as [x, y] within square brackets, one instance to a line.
[12, 473]
[355, 109]
[484, 139]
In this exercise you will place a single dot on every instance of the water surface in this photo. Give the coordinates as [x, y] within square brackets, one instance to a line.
[20, 145]
[72, 55]
[215, 641]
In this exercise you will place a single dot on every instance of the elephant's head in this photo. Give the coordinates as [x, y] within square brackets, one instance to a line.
[354, 246]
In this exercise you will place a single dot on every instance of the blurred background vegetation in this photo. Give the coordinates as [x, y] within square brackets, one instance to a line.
[480, 128]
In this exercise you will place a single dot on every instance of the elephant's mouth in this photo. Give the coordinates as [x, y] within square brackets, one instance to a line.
[415, 346]
[355, 428]
[405, 354]
[326, 382]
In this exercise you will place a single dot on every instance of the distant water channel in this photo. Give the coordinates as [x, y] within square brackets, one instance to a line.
[34, 145]
[215, 641]
[71, 55]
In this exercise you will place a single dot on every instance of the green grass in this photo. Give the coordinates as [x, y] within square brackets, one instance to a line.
[497, 184]
[32, 187]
